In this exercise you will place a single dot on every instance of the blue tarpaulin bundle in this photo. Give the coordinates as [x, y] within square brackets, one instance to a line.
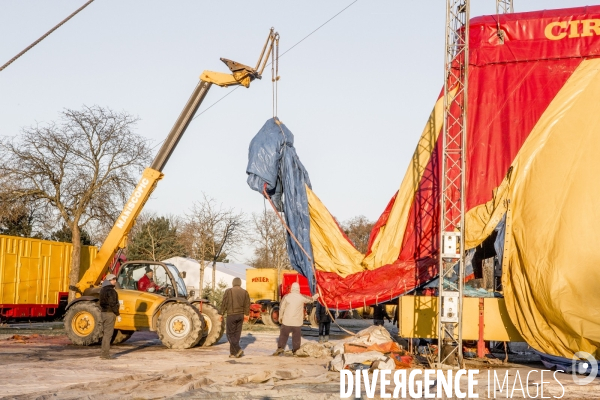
[272, 159]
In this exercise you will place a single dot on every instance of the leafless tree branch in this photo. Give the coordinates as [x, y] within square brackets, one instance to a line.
[82, 167]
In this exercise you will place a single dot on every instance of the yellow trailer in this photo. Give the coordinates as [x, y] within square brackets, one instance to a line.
[263, 283]
[34, 276]
[484, 319]
[266, 287]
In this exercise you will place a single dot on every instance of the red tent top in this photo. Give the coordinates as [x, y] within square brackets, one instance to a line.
[535, 35]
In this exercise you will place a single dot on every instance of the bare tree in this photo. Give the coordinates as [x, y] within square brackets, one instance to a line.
[210, 231]
[80, 169]
[18, 216]
[155, 238]
[358, 230]
[270, 249]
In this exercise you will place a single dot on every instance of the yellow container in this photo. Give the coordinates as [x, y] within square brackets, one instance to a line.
[418, 319]
[34, 274]
[263, 283]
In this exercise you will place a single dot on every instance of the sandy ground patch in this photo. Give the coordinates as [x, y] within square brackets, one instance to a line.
[40, 366]
[49, 367]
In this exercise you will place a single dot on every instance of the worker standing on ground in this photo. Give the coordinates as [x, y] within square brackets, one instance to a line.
[109, 304]
[379, 314]
[324, 323]
[236, 304]
[291, 315]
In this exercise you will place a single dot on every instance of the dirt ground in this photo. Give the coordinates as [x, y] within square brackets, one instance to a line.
[42, 364]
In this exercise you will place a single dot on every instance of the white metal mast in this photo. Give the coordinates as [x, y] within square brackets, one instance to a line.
[504, 6]
[454, 143]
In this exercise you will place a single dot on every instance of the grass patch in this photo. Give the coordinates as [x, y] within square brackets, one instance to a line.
[259, 327]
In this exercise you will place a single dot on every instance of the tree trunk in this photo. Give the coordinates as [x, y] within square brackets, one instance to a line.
[75, 260]
[214, 277]
[202, 267]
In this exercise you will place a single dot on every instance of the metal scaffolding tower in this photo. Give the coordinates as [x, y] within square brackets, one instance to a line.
[504, 6]
[454, 142]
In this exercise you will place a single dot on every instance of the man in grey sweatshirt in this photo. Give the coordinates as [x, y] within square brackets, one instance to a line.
[291, 315]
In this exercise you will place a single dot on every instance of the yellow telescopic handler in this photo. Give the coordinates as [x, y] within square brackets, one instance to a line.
[179, 322]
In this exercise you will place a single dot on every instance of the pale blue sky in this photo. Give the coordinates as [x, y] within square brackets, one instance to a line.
[356, 94]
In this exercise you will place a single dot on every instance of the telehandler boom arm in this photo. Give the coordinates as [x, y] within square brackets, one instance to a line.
[240, 75]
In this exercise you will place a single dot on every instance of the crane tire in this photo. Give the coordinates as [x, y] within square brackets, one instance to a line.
[179, 326]
[120, 335]
[83, 323]
[215, 325]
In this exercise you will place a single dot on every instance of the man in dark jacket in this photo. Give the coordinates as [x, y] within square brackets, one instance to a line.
[324, 321]
[109, 304]
[236, 304]
[379, 313]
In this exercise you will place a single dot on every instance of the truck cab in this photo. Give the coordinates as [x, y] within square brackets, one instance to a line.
[165, 275]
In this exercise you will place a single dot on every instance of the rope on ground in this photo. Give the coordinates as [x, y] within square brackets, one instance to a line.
[45, 35]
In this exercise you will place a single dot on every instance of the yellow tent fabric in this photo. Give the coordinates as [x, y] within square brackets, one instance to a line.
[551, 265]
[333, 253]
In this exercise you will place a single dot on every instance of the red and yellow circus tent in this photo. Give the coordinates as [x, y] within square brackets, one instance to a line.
[533, 154]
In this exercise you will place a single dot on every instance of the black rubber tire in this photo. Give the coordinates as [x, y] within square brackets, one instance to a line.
[86, 312]
[179, 326]
[119, 336]
[275, 315]
[215, 324]
[267, 318]
[312, 318]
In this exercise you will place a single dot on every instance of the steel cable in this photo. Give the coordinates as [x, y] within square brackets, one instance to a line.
[45, 35]
[282, 54]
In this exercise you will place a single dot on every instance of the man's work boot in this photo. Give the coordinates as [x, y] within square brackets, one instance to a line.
[240, 354]
[321, 339]
[278, 351]
[326, 338]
